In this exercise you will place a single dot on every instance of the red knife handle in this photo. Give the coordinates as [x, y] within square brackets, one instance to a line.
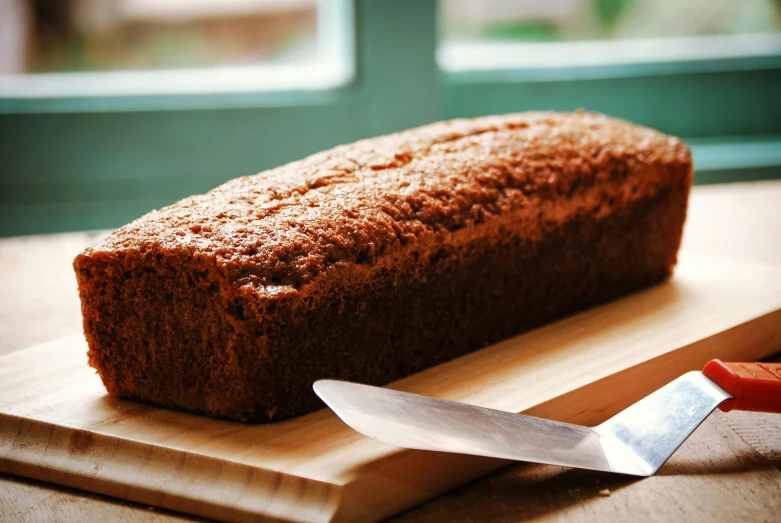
[753, 386]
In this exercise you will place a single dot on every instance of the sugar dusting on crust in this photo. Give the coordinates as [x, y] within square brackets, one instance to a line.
[358, 202]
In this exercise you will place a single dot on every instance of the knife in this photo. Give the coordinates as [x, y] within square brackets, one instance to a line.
[636, 441]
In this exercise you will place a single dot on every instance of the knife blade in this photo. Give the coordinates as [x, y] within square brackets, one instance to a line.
[636, 441]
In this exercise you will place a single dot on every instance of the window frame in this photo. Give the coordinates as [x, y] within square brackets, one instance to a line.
[246, 85]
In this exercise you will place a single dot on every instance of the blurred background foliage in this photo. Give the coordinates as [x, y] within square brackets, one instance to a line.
[73, 162]
[571, 20]
[105, 35]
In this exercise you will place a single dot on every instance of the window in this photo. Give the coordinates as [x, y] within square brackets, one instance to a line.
[98, 136]
[134, 47]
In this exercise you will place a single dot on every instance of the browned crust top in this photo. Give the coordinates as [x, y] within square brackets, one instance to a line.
[358, 202]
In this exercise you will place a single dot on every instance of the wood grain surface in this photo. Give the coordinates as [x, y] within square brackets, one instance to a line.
[736, 220]
[58, 424]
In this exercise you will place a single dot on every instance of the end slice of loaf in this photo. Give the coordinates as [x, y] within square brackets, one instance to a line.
[377, 259]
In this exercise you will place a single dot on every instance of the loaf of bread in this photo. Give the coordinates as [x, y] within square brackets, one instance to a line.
[377, 259]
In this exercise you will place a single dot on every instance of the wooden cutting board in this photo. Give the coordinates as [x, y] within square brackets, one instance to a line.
[58, 425]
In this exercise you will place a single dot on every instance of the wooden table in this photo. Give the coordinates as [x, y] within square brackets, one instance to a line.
[730, 469]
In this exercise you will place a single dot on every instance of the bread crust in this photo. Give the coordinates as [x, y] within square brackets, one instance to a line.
[380, 258]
